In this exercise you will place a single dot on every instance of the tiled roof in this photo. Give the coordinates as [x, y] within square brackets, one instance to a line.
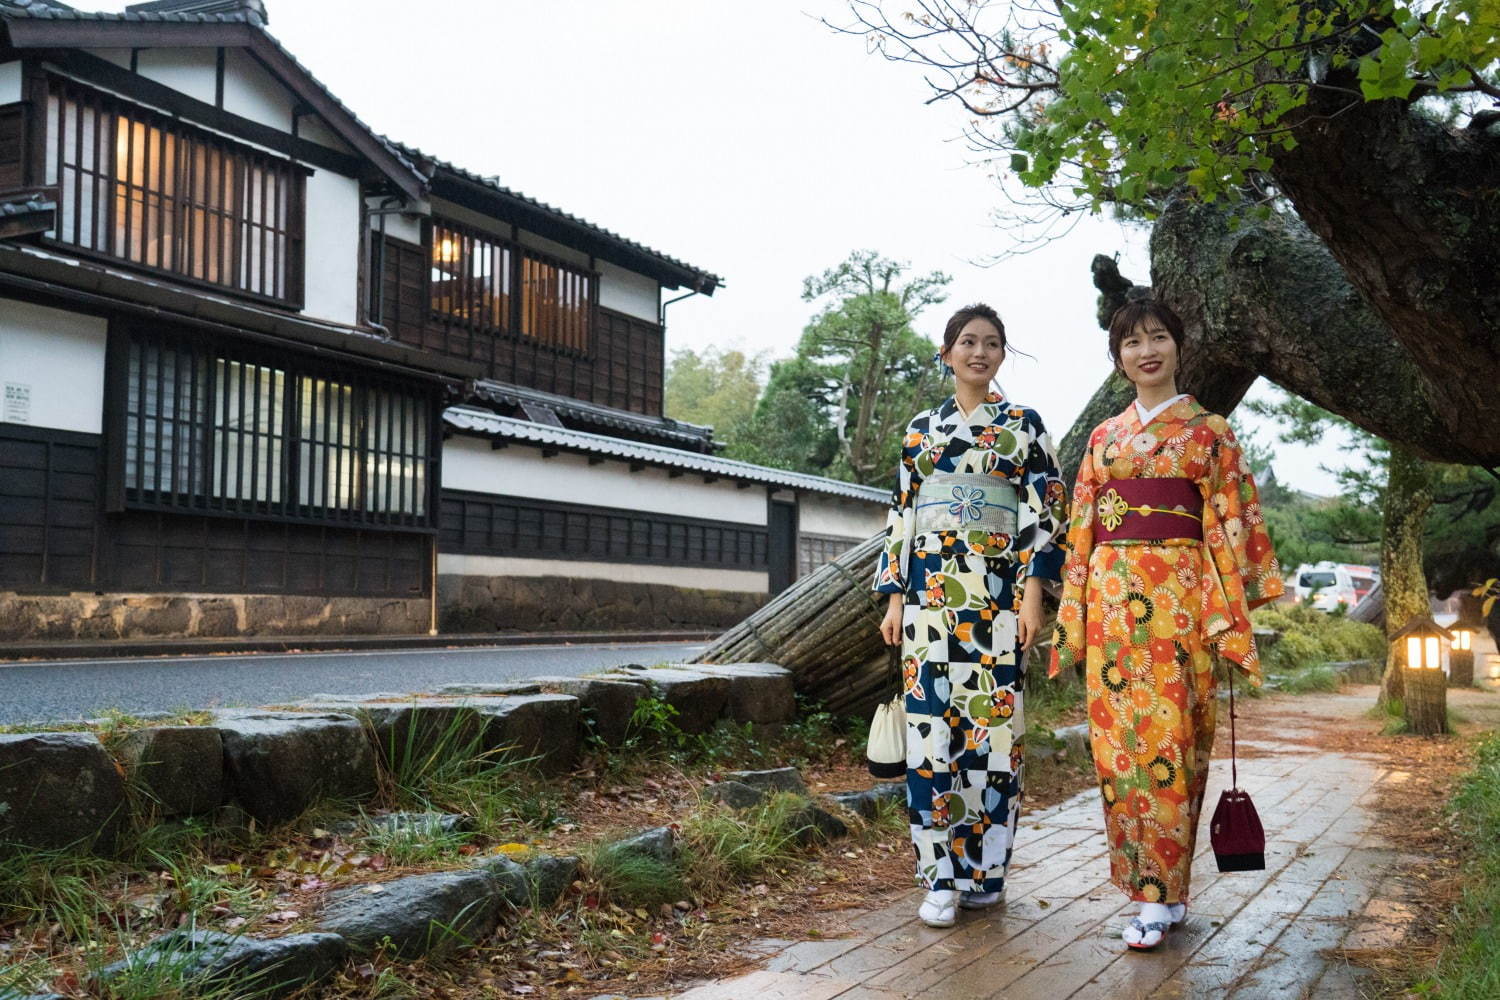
[493, 425]
[594, 414]
[27, 206]
[245, 14]
[251, 14]
[711, 280]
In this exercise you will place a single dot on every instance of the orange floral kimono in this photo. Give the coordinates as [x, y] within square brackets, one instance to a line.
[1143, 618]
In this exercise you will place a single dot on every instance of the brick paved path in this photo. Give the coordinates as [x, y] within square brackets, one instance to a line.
[1249, 935]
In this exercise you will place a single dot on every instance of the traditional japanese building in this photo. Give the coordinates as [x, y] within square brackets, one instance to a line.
[265, 371]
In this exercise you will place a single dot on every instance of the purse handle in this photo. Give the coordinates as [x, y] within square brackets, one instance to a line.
[1234, 770]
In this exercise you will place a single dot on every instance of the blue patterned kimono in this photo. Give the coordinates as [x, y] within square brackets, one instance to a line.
[960, 654]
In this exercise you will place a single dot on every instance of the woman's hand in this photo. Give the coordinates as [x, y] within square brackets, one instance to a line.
[1029, 620]
[890, 625]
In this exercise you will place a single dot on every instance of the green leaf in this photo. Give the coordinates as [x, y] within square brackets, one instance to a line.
[1019, 163]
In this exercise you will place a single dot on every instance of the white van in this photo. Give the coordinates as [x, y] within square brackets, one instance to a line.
[1330, 584]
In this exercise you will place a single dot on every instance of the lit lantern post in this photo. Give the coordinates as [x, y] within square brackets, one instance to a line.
[1420, 646]
[1461, 656]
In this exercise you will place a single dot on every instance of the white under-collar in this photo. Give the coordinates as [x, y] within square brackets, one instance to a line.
[1149, 415]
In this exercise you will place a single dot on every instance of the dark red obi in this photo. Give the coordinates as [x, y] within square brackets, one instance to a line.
[1147, 510]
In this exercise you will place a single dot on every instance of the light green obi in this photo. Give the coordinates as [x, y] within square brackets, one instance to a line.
[966, 501]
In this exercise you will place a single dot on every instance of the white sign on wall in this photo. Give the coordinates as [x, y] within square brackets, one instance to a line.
[16, 407]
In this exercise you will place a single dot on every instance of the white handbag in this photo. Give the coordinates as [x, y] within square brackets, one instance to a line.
[886, 750]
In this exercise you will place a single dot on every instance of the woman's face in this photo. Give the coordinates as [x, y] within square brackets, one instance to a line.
[976, 355]
[1148, 355]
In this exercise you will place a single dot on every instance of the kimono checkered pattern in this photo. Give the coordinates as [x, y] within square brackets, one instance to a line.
[961, 660]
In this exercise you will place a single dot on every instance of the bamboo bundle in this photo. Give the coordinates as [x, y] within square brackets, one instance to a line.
[825, 629]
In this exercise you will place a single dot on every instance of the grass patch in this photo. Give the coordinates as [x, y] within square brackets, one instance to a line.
[631, 878]
[1468, 967]
[725, 846]
[415, 844]
[1319, 678]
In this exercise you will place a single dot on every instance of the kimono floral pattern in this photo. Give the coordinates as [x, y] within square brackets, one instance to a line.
[1144, 618]
[960, 657]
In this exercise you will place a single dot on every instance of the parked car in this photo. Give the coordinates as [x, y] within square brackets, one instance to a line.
[1329, 584]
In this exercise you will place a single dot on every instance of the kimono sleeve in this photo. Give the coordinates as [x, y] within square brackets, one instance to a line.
[892, 574]
[1243, 562]
[1071, 637]
[1043, 509]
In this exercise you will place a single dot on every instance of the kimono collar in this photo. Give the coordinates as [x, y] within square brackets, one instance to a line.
[984, 413]
[1180, 410]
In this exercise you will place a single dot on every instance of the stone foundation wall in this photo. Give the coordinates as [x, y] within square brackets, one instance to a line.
[136, 616]
[569, 604]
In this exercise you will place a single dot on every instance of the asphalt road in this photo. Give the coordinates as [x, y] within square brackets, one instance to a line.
[44, 692]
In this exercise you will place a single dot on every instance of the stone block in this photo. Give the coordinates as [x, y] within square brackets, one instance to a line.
[734, 794]
[541, 727]
[780, 779]
[814, 824]
[862, 804]
[889, 791]
[406, 727]
[698, 698]
[263, 968]
[550, 877]
[420, 914]
[761, 693]
[181, 768]
[59, 790]
[658, 843]
[512, 882]
[280, 763]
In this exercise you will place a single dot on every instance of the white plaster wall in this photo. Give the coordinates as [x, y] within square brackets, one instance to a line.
[251, 92]
[120, 57]
[401, 227]
[630, 293]
[742, 581]
[828, 515]
[520, 470]
[316, 130]
[10, 82]
[332, 247]
[195, 72]
[59, 355]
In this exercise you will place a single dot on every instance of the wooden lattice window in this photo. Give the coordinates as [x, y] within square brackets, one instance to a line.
[163, 195]
[489, 285]
[212, 430]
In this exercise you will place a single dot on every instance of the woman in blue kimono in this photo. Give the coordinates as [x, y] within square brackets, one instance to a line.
[971, 536]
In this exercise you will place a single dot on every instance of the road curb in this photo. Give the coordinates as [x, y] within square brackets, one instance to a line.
[117, 648]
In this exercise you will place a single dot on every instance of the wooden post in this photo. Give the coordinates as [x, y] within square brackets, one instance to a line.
[1426, 701]
[1460, 668]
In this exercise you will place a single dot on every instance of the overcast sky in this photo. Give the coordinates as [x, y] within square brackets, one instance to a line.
[746, 139]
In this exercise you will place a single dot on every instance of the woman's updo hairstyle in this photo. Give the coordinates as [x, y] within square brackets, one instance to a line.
[1133, 314]
[961, 319]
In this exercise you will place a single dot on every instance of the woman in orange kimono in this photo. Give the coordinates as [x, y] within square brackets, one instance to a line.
[1168, 552]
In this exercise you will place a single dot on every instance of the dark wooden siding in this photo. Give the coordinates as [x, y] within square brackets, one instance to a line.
[174, 552]
[621, 368]
[54, 538]
[49, 508]
[485, 524]
[12, 147]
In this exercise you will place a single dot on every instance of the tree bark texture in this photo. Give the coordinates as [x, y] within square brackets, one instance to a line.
[1408, 497]
[1410, 209]
[1426, 702]
[1267, 298]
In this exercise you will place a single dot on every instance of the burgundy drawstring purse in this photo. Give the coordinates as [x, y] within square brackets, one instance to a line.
[1238, 840]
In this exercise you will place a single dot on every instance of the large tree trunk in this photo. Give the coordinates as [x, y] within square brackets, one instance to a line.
[1408, 497]
[1409, 208]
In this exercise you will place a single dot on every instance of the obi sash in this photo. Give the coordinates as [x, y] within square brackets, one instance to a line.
[1147, 510]
[966, 501]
